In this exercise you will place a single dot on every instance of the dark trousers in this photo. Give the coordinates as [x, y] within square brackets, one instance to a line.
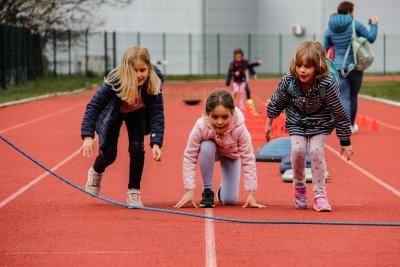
[135, 124]
[247, 88]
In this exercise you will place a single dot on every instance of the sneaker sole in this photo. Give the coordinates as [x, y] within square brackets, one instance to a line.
[207, 205]
[323, 209]
[300, 207]
[135, 206]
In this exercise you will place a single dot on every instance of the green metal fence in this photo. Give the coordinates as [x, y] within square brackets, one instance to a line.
[20, 55]
[195, 54]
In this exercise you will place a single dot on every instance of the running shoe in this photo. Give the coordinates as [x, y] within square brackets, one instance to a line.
[321, 204]
[134, 199]
[93, 182]
[300, 198]
[207, 200]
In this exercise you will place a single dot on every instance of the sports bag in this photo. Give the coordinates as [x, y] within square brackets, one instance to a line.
[363, 57]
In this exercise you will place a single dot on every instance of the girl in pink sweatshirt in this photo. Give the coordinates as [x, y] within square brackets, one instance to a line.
[220, 135]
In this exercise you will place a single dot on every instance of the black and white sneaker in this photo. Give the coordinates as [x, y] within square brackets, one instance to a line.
[207, 200]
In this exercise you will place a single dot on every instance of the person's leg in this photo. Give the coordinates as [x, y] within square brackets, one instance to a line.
[242, 97]
[230, 180]
[248, 93]
[318, 164]
[135, 124]
[298, 159]
[105, 158]
[235, 90]
[108, 154]
[355, 82]
[344, 89]
[207, 157]
[318, 169]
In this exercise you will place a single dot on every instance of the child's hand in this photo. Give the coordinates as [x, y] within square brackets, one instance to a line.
[268, 130]
[157, 154]
[348, 150]
[251, 201]
[87, 147]
[237, 73]
[187, 197]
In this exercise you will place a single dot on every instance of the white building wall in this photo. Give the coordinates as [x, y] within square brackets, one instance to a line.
[240, 16]
[275, 16]
[231, 16]
[154, 16]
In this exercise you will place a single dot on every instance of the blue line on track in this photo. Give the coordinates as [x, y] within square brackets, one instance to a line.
[190, 214]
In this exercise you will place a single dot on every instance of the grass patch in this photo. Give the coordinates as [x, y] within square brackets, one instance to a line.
[47, 85]
[388, 90]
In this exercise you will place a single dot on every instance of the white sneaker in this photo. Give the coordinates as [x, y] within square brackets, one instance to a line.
[134, 199]
[354, 128]
[93, 182]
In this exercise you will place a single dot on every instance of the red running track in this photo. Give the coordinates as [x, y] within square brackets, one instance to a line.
[45, 222]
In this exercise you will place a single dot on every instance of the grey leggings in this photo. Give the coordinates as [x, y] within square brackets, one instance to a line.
[230, 171]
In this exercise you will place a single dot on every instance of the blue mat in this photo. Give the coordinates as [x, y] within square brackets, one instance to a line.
[274, 150]
[286, 163]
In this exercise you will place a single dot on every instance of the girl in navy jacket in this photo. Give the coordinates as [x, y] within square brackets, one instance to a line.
[131, 93]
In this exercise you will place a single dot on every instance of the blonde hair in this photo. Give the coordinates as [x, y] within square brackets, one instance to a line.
[123, 79]
[314, 55]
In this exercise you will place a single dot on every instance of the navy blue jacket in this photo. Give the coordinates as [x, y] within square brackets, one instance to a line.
[104, 107]
[240, 66]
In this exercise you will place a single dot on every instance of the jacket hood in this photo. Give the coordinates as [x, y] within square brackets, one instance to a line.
[237, 120]
[339, 23]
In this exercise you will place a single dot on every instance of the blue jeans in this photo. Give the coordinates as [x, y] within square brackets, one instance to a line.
[230, 171]
[349, 88]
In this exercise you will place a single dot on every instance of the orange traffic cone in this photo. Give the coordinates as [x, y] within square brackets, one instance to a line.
[372, 126]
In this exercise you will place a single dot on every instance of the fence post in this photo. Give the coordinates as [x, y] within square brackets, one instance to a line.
[190, 54]
[249, 46]
[218, 54]
[2, 58]
[86, 53]
[54, 54]
[280, 53]
[138, 38]
[105, 54]
[69, 52]
[114, 50]
[164, 51]
[384, 53]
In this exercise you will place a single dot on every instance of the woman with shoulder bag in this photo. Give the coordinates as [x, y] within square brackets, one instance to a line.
[339, 35]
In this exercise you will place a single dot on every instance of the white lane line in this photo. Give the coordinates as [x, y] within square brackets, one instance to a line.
[36, 180]
[388, 125]
[49, 253]
[211, 258]
[37, 119]
[366, 173]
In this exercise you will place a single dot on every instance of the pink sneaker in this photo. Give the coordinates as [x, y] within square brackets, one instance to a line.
[134, 199]
[321, 204]
[93, 182]
[300, 198]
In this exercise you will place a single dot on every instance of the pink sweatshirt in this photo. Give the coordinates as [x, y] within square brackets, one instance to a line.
[235, 144]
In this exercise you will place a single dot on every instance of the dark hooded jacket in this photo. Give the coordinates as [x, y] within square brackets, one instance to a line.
[104, 107]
